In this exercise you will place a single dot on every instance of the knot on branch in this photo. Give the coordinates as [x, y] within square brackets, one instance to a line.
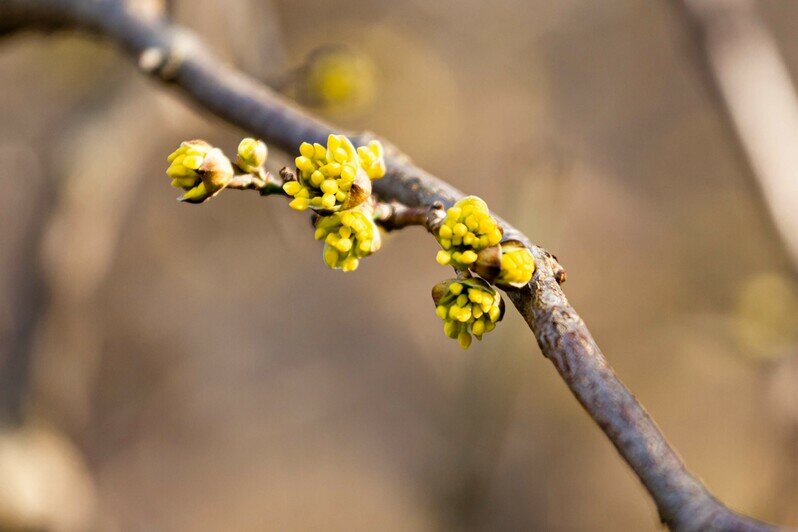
[165, 58]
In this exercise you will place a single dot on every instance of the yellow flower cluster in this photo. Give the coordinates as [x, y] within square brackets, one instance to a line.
[467, 307]
[472, 240]
[467, 229]
[199, 169]
[335, 181]
[517, 264]
[331, 178]
[348, 236]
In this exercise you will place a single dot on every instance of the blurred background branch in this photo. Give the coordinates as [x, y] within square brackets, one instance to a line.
[747, 79]
[742, 69]
[175, 57]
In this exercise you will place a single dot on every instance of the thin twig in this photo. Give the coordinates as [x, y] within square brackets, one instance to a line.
[394, 216]
[175, 56]
[264, 182]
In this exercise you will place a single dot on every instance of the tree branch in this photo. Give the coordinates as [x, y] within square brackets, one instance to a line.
[394, 216]
[177, 57]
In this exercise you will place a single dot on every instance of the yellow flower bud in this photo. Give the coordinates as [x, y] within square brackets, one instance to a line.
[372, 159]
[299, 204]
[306, 150]
[336, 78]
[517, 265]
[252, 154]
[467, 307]
[510, 264]
[199, 169]
[467, 229]
[330, 177]
[292, 188]
[348, 236]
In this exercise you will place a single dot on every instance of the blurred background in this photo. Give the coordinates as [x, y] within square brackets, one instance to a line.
[172, 367]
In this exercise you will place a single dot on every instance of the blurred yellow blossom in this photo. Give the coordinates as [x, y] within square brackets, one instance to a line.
[337, 78]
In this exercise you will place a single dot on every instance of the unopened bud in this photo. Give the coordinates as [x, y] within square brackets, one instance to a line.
[372, 159]
[517, 265]
[199, 169]
[510, 264]
[252, 155]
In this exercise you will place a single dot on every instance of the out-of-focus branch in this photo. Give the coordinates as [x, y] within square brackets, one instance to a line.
[175, 56]
[748, 81]
[28, 301]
